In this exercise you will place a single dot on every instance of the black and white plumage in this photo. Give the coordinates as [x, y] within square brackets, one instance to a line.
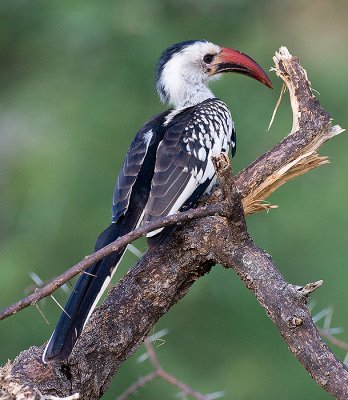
[167, 168]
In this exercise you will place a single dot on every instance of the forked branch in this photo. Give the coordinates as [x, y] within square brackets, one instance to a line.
[166, 273]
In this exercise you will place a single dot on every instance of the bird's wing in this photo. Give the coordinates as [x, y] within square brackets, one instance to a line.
[130, 197]
[183, 167]
[134, 180]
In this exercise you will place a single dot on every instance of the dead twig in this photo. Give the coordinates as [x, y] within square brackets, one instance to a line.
[159, 372]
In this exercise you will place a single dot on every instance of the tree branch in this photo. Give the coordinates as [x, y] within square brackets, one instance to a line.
[118, 244]
[286, 305]
[166, 273]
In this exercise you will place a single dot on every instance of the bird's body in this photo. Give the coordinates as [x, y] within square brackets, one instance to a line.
[168, 166]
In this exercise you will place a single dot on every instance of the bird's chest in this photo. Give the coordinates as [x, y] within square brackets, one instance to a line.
[208, 137]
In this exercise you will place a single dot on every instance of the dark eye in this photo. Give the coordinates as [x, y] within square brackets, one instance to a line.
[208, 58]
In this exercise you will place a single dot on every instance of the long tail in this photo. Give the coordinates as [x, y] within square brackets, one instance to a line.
[84, 298]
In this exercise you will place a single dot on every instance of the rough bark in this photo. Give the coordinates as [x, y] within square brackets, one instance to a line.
[166, 273]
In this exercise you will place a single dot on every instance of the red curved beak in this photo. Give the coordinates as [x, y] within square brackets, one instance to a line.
[230, 60]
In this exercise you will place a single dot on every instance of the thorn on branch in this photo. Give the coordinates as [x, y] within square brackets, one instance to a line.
[308, 289]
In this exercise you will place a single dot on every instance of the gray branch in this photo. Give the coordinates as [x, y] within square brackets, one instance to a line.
[165, 274]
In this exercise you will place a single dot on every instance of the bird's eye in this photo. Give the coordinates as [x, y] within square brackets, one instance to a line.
[208, 58]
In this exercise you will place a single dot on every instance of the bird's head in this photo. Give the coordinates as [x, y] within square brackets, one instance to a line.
[185, 68]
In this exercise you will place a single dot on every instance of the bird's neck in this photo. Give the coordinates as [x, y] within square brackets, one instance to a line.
[180, 85]
[188, 95]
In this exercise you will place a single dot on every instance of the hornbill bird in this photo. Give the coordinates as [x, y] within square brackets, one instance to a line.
[167, 168]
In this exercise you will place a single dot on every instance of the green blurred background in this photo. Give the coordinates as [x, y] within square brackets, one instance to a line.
[77, 81]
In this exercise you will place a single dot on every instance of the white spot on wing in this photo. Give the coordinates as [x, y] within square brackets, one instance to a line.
[147, 137]
[202, 154]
